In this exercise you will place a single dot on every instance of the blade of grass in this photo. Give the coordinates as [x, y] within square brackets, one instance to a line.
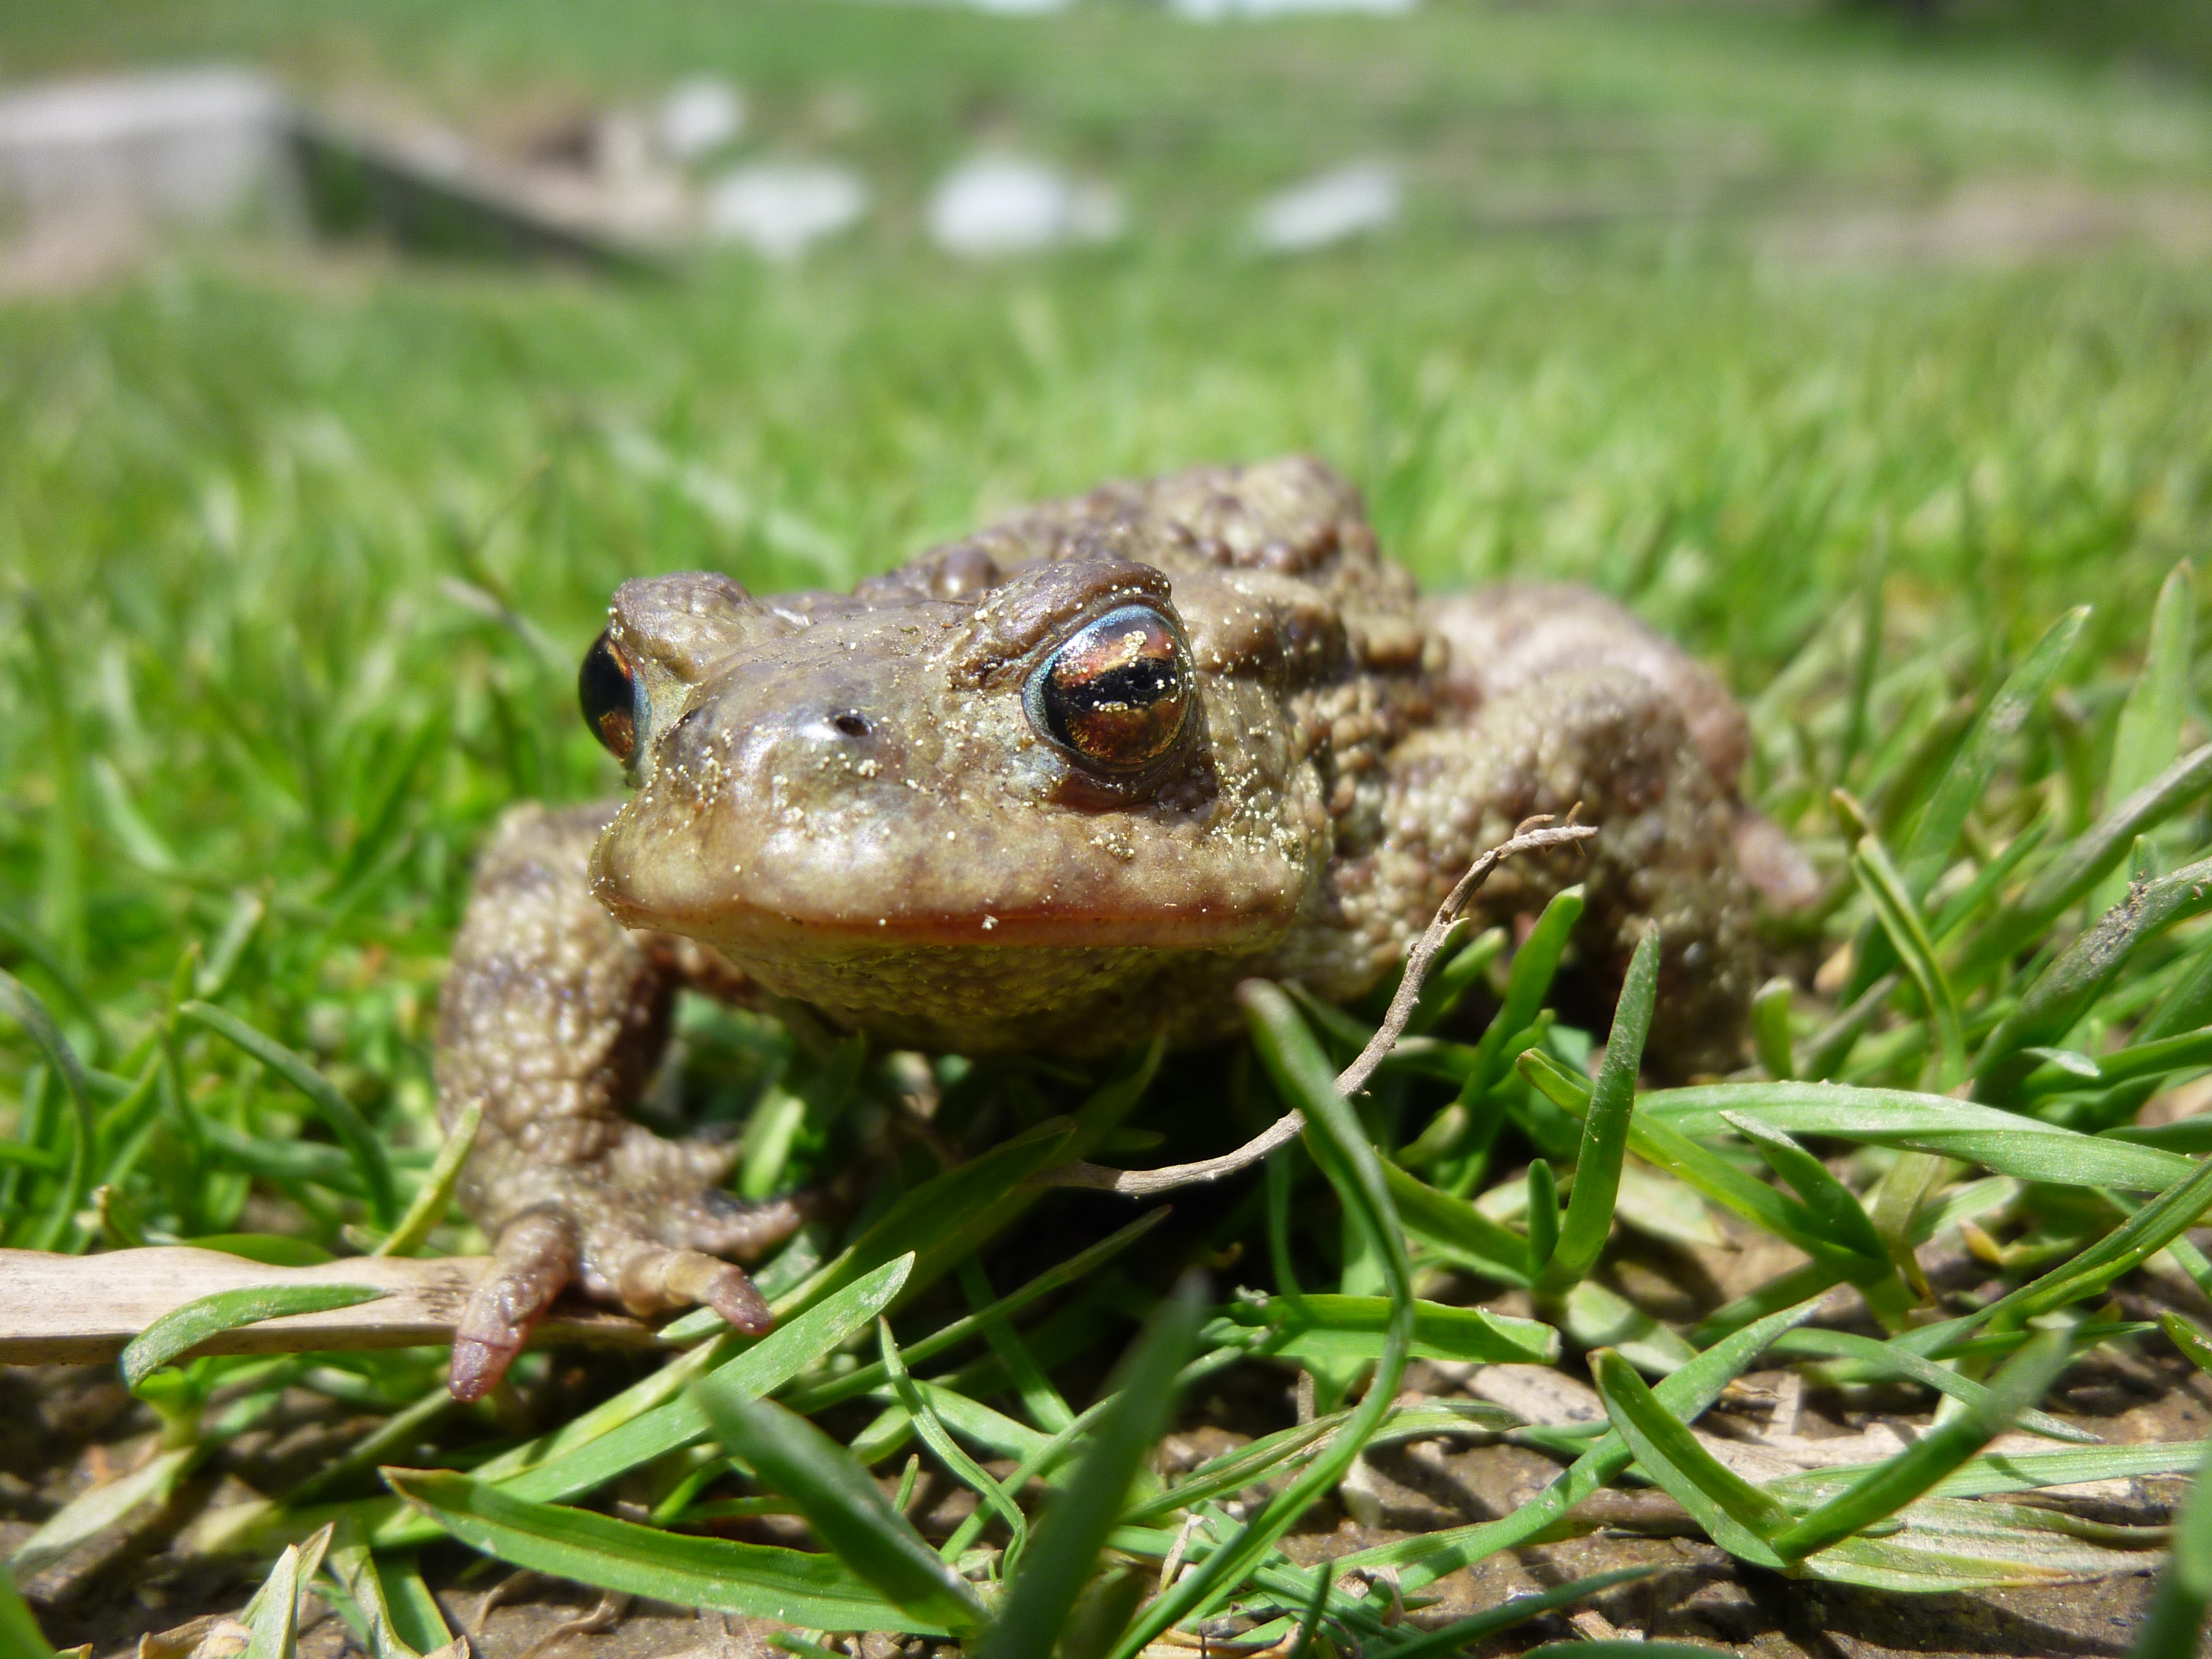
[1839, 1215]
[1885, 1360]
[2194, 1346]
[1527, 983]
[401, 1429]
[436, 1193]
[1770, 1028]
[380, 823]
[19, 1631]
[625, 1441]
[1960, 908]
[810, 1401]
[1935, 828]
[1836, 1211]
[1865, 659]
[1455, 1228]
[1735, 1514]
[276, 1620]
[843, 1505]
[1686, 1393]
[93, 1512]
[948, 1217]
[1904, 766]
[1832, 1045]
[1233, 1471]
[976, 1423]
[1039, 1398]
[23, 1003]
[61, 869]
[934, 1435]
[1891, 1485]
[212, 977]
[2175, 1624]
[1940, 1545]
[2005, 1142]
[1332, 1326]
[2063, 992]
[343, 1118]
[1309, 1619]
[1303, 1076]
[1594, 1315]
[417, 1617]
[1657, 1142]
[182, 1330]
[654, 1416]
[1543, 1218]
[1898, 1196]
[1040, 1462]
[2070, 877]
[2149, 733]
[2126, 1247]
[1075, 1529]
[2186, 1005]
[1994, 1473]
[2064, 1072]
[761, 1581]
[1534, 966]
[1900, 916]
[353, 1567]
[1464, 1632]
[1588, 1220]
[1466, 1126]
[1935, 832]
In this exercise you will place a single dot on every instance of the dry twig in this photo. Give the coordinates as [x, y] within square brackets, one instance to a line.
[1532, 834]
[82, 1309]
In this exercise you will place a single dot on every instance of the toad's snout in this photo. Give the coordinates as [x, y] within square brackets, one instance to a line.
[777, 738]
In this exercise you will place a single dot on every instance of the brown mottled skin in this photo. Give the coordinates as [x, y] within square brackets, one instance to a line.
[844, 799]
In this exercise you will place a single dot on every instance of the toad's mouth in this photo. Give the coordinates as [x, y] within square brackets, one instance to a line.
[778, 892]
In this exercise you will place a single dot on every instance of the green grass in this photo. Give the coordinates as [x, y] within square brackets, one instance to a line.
[303, 553]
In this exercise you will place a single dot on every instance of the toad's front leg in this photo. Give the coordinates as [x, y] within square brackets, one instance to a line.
[553, 1018]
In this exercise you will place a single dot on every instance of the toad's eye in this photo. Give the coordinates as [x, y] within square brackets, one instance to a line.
[604, 687]
[1117, 693]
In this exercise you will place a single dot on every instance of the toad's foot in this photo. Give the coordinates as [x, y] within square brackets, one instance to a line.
[553, 1020]
[642, 1224]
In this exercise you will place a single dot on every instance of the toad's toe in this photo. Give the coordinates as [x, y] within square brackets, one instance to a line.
[536, 1258]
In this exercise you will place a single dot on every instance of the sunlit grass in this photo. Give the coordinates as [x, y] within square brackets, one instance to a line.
[304, 553]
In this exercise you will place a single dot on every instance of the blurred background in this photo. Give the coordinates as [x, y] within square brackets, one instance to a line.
[351, 355]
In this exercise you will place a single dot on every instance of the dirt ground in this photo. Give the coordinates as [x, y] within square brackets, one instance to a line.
[63, 1428]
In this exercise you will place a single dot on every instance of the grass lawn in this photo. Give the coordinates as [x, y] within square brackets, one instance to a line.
[300, 551]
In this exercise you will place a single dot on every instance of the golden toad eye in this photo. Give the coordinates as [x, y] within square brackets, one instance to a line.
[1117, 693]
[609, 694]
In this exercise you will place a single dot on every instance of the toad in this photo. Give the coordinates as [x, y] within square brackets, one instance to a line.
[1057, 786]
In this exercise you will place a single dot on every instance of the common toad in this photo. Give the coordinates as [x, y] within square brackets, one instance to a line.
[1059, 785]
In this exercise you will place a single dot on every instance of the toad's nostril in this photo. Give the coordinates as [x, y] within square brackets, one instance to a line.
[852, 725]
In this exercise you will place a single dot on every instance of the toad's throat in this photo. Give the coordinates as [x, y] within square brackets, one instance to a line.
[980, 999]
[988, 976]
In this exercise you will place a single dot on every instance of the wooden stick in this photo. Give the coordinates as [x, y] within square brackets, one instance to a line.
[1530, 836]
[81, 1310]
